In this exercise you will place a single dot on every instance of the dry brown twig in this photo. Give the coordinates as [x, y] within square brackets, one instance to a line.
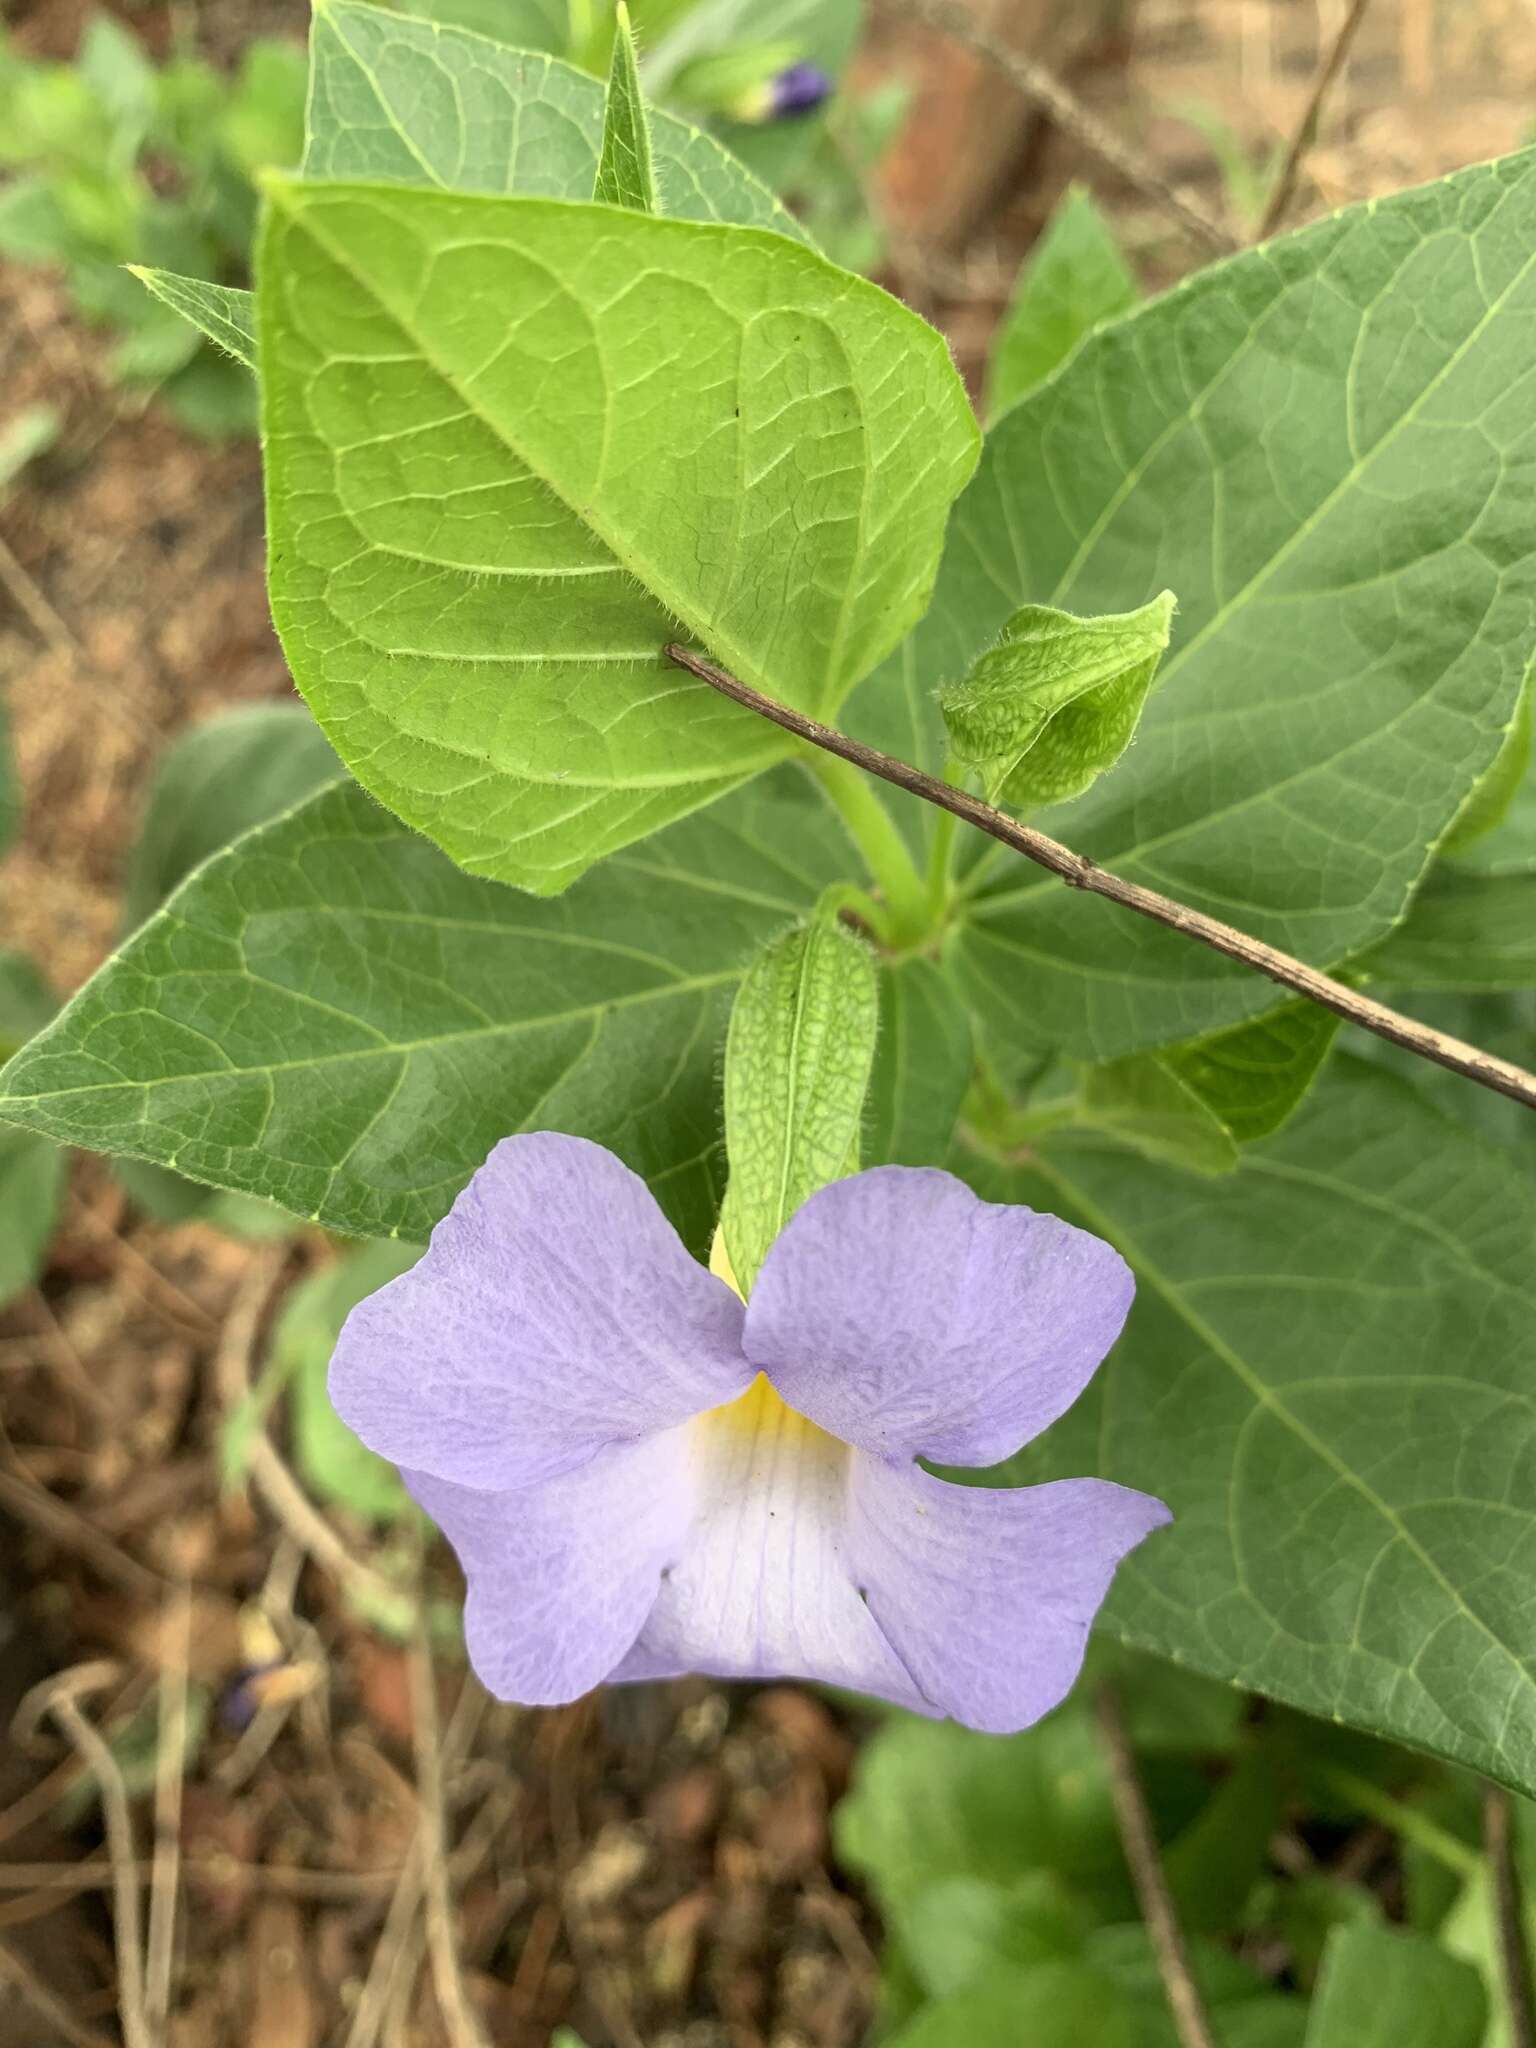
[1146, 1868]
[1044, 90]
[1509, 1917]
[1327, 76]
[59, 1698]
[270, 1475]
[1078, 872]
[459, 2016]
[170, 1776]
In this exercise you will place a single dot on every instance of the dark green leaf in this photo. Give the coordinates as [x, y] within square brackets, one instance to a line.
[1326, 1375]
[1051, 2005]
[1075, 279]
[216, 781]
[1474, 933]
[331, 1016]
[1335, 488]
[1148, 1105]
[1254, 1077]
[923, 1062]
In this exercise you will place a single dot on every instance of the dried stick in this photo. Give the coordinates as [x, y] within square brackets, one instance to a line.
[277, 1485]
[1079, 872]
[459, 2016]
[1328, 74]
[1509, 1920]
[1179, 1987]
[120, 1847]
[1044, 90]
[170, 1773]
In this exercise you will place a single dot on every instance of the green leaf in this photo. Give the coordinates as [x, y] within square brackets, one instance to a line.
[330, 1016]
[923, 1063]
[1465, 931]
[1076, 278]
[411, 103]
[931, 1800]
[1490, 802]
[953, 1932]
[1254, 1077]
[31, 1169]
[1148, 1105]
[797, 1061]
[1057, 701]
[332, 1461]
[526, 24]
[1326, 1375]
[1385, 1988]
[226, 316]
[1051, 2005]
[26, 1001]
[625, 176]
[1334, 486]
[216, 781]
[486, 653]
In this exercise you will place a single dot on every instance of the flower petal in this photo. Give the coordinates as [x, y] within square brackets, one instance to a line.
[911, 1318]
[555, 1311]
[763, 1588]
[561, 1576]
[988, 1595]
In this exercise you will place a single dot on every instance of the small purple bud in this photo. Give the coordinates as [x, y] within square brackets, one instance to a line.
[800, 89]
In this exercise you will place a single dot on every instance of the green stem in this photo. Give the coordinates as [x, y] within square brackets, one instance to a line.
[884, 850]
[1404, 1820]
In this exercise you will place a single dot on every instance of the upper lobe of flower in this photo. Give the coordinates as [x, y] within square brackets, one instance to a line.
[641, 1477]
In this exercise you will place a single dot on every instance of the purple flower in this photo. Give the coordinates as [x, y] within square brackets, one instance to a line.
[797, 89]
[644, 1476]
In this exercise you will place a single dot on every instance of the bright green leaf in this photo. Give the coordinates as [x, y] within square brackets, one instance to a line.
[956, 1930]
[226, 316]
[1465, 931]
[625, 176]
[1050, 2005]
[216, 781]
[1326, 1375]
[1335, 486]
[333, 1462]
[1254, 1077]
[330, 1016]
[923, 1063]
[797, 1061]
[1045, 712]
[414, 104]
[1075, 279]
[1385, 1988]
[1150, 1106]
[1490, 803]
[477, 558]
[524, 24]
[931, 1800]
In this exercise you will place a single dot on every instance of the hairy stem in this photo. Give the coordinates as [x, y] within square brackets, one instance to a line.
[885, 851]
[1079, 872]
